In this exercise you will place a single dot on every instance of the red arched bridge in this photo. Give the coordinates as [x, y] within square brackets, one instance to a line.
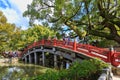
[37, 53]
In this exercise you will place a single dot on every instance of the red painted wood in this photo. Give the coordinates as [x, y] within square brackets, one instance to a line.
[86, 49]
[74, 46]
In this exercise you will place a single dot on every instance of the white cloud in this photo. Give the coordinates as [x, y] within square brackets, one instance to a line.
[11, 15]
[24, 27]
[21, 4]
[14, 14]
[16, 18]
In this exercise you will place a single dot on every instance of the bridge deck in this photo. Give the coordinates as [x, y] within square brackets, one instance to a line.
[110, 56]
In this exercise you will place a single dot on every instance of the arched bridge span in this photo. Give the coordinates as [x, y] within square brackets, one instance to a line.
[38, 52]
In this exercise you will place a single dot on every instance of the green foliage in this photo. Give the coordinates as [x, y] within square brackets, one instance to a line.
[59, 36]
[50, 74]
[88, 69]
[13, 38]
[95, 17]
[101, 42]
[7, 33]
[107, 43]
[35, 33]
[99, 63]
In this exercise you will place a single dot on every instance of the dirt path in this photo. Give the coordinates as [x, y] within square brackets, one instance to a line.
[116, 77]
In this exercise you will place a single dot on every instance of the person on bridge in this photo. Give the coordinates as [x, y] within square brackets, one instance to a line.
[64, 39]
[68, 40]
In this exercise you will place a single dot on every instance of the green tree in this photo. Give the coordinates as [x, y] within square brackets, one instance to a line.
[96, 17]
[7, 33]
[13, 38]
[32, 34]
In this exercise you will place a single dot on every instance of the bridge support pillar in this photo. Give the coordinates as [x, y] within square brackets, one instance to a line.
[29, 58]
[43, 58]
[25, 59]
[35, 57]
[73, 55]
[55, 60]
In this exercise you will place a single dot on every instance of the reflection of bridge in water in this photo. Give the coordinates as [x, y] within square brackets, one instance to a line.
[54, 53]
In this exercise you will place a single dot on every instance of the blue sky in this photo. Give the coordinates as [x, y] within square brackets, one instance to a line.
[13, 10]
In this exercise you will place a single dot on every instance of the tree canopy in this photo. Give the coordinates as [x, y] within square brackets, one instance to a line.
[96, 17]
[14, 38]
[32, 34]
[7, 33]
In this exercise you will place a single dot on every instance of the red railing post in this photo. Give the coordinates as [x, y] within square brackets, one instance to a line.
[43, 41]
[88, 47]
[74, 45]
[110, 54]
[34, 44]
[54, 41]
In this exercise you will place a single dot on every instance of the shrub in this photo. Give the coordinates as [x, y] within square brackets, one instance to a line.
[86, 70]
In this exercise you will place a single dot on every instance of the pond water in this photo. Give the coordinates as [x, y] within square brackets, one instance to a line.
[20, 71]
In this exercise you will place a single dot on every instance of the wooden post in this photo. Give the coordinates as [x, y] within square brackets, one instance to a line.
[74, 45]
[25, 59]
[34, 44]
[43, 58]
[35, 56]
[43, 42]
[30, 58]
[54, 42]
[55, 60]
[88, 47]
[110, 54]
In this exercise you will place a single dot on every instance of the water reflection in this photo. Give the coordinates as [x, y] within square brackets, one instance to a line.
[24, 71]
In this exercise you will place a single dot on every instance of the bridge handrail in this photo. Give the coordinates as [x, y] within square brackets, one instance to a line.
[93, 51]
[116, 59]
[92, 48]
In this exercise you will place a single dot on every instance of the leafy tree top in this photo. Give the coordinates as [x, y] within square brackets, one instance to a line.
[96, 17]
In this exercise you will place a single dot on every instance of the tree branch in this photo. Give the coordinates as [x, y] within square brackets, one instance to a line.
[101, 34]
[70, 18]
[55, 20]
[48, 5]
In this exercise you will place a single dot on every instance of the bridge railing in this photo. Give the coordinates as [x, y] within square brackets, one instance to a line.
[116, 59]
[93, 51]
[86, 49]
